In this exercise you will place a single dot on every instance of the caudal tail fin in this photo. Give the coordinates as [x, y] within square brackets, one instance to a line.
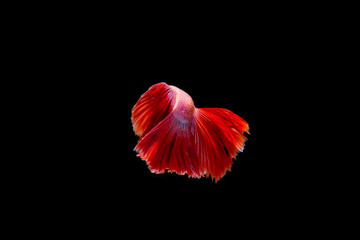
[201, 145]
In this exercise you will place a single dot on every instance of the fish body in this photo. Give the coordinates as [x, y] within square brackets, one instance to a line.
[178, 137]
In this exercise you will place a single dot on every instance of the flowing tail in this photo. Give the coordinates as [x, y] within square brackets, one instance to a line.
[176, 136]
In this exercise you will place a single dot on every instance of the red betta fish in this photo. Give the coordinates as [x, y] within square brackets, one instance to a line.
[177, 136]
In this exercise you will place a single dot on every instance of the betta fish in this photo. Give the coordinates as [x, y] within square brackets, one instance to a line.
[178, 137]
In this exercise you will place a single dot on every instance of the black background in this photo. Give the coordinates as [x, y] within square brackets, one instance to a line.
[86, 67]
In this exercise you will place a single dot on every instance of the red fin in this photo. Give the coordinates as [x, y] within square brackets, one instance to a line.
[152, 107]
[170, 145]
[201, 146]
[220, 134]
